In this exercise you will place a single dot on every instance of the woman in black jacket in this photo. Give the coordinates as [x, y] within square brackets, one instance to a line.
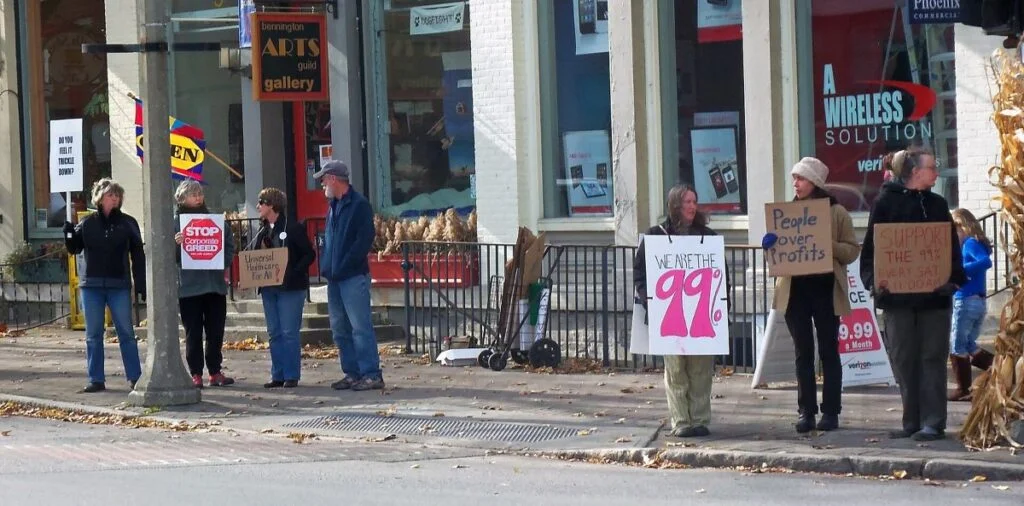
[916, 324]
[109, 238]
[687, 377]
[283, 304]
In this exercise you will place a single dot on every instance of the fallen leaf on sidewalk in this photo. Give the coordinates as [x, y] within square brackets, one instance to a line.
[577, 414]
[871, 440]
[1001, 488]
[414, 466]
[764, 397]
[628, 390]
[319, 352]
[459, 466]
[899, 475]
[438, 414]
[5, 433]
[977, 479]
[274, 405]
[250, 344]
[388, 437]
[932, 483]
[266, 431]
[387, 413]
[726, 371]
[623, 440]
[718, 396]
[585, 432]
[620, 421]
[891, 409]
[318, 402]
[300, 438]
[700, 491]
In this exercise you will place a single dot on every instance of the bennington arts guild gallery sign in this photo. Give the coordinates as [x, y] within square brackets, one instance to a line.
[289, 61]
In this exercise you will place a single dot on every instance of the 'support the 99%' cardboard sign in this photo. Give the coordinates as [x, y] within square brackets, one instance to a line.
[913, 257]
[686, 285]
[289, 60]
[262, 267]
[804, 244]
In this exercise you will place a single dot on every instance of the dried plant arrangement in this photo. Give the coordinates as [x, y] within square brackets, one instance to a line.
[997, 405]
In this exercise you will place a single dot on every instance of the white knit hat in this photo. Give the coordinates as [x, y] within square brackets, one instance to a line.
[812, 170]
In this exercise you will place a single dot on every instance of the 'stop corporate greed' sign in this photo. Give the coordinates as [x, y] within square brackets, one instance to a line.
[289, 57]
[804, 244]
[913, 257]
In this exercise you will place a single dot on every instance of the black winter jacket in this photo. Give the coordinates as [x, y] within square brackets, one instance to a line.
[108, 242]
[300, 251]
[899, 204]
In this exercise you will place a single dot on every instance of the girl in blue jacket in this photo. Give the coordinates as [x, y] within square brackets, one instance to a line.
[969, 304]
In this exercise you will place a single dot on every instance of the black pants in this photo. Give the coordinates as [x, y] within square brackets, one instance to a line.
[203, 312]
[918, 346]
[811, 309]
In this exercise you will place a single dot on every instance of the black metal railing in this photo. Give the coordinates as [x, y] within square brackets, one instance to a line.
[998, 231]
[453, 290]
[34, 292]
[244, 231]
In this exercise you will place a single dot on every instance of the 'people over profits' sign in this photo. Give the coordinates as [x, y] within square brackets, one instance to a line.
[913, 257]
[289, 57]
[804, 237]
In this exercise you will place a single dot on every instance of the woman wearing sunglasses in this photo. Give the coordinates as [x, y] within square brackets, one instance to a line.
[283, 304]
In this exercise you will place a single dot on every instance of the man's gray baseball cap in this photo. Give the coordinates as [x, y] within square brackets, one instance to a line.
[333, 168]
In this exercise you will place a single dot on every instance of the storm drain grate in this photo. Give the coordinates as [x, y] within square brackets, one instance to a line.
[483, 430]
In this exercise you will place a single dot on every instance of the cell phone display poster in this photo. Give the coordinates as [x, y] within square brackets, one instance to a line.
[588, 165]
[716, 172]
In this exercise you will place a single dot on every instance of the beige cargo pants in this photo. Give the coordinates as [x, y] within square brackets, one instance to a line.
[688, 387]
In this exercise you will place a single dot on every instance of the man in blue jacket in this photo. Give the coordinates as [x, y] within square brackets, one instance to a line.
[343, 262]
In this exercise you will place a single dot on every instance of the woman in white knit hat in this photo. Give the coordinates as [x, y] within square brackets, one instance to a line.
[815, 302]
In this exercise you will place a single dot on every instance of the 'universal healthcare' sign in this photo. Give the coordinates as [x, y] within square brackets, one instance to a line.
[289, 60]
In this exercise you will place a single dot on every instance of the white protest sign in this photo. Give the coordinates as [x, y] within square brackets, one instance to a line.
[686, 285]
[66, 167]
[440, 18]
[202, 243]
[861, 353]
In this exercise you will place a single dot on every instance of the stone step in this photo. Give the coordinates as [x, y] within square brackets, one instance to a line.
[256, 306]
[309, 321]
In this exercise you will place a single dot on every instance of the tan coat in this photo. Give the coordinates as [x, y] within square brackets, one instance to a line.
[845, 250]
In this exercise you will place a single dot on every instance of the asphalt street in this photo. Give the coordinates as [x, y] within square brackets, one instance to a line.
[46, 462]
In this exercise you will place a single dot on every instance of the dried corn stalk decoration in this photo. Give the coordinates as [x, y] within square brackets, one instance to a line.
[998, 394]
[445, 228]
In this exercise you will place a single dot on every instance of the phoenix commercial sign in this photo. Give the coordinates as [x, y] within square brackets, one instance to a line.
[289, 57]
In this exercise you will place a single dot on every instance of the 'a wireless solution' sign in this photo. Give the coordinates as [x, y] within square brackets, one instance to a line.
[289, 60]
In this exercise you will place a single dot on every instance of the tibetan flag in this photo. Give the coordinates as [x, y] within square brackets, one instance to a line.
[188, 148]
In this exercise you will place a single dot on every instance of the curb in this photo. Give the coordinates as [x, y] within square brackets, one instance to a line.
[88, 409]
[924, 468]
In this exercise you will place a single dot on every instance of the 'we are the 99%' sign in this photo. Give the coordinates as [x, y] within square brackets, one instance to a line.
[687, 312]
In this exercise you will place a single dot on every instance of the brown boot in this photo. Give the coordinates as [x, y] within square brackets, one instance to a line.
[982, 359]
[962, 375]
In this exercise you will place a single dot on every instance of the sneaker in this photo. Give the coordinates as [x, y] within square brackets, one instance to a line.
[901, 434]
[928, 434]
[197, 380]
[273, 384]
[805, 424]
[828, 422]
[368, 384]
[291, 383]
[344, 383]
[94, 387]
[220, 380]
[694, 431]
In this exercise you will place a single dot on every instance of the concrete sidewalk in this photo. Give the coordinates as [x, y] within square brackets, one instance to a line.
[589, 414]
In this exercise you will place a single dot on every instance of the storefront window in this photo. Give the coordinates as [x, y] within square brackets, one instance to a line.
[880, 84]
[702, 99]
[422, 78]
[576, 108]
[64, 84]
[209, 98]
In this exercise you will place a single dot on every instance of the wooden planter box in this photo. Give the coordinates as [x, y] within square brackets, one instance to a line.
[444, 271]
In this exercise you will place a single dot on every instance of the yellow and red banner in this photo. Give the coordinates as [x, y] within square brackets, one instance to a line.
[188, 147]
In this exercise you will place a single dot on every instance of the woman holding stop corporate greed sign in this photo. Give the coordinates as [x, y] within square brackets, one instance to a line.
[687, 377]
[282, 304]
[916, 324]
[202, 296]
[815, 302]
[109, 238]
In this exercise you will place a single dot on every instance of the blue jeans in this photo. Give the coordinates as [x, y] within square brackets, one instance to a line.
[283, 310]
[968, 316]
[94, 303]
[348, 303]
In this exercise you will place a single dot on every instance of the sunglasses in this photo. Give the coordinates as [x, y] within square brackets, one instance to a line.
[263, 202]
